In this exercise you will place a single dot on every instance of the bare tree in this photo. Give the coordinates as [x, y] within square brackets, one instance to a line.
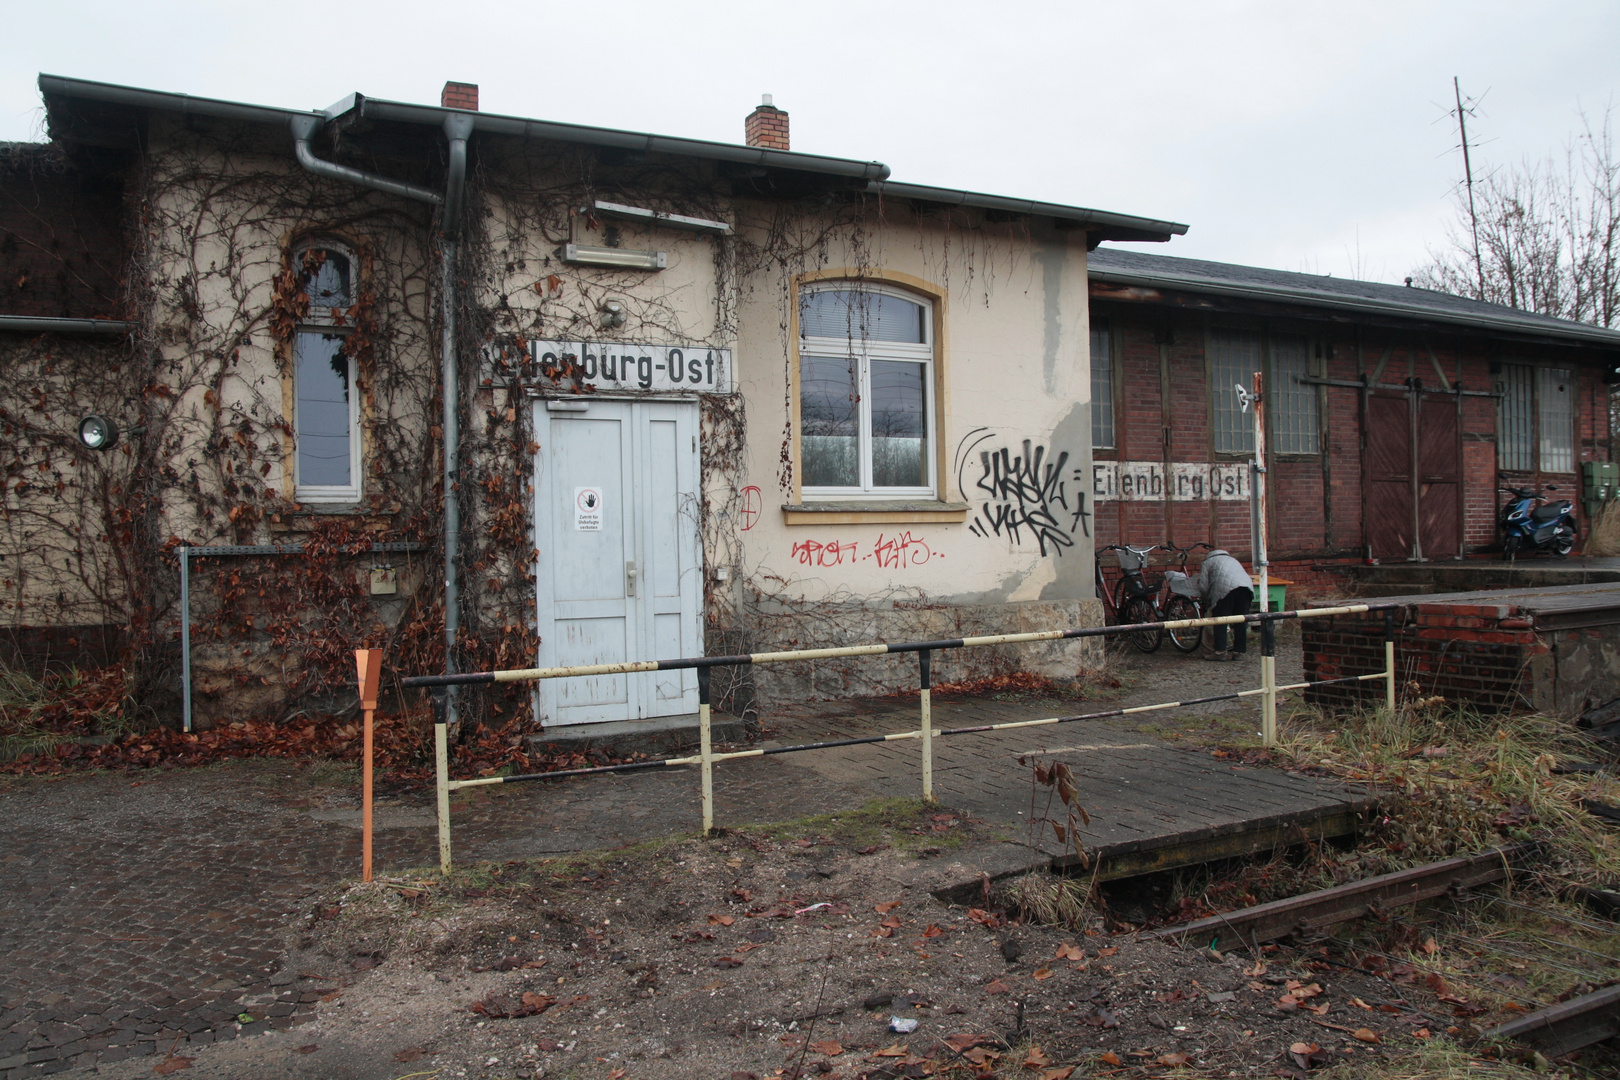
[1548, 234]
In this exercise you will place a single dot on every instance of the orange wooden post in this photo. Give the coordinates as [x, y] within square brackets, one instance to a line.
[368, 664]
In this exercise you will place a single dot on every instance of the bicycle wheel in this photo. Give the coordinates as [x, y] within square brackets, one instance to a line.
[1188, 637]
[1139, 609]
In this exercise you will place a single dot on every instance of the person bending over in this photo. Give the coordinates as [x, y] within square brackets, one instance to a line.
[1227, 590]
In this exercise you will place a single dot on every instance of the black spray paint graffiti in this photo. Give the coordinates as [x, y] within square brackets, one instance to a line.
[1028, 492]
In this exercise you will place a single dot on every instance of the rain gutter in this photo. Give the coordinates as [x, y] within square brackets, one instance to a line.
[518, 127]
[1150, 228]
[458, 126]
[31, 324]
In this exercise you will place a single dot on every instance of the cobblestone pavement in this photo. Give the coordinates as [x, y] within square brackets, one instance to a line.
[140, 912]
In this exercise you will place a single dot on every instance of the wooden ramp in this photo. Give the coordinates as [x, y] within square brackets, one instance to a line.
[1153, 806]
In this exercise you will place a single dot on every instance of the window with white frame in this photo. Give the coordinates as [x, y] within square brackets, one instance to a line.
[866, 392]
[1555, 413]
[326, 402]
[1102, 388]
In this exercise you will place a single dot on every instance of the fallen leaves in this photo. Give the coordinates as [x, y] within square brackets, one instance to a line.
[172, 1064]
[1172, 1060]
[1307, 1055]
[1366, 1035]
[1042, 974]
[1067, 951]
[885, 907]
[721, 920]
[827, 1048]
[503, 1007]
[996, 986]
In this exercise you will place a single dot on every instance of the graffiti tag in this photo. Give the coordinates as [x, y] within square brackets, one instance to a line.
[1030, 493]
[816, 553]
[749, 512]
[900, 552]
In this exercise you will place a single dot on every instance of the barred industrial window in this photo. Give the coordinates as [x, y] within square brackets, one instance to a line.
[1294, 416]
[1102, 388]
[1234, 358]
[1515, 420]
[1556, 413]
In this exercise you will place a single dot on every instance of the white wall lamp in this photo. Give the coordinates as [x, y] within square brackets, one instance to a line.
[618, 258]
[100, 433]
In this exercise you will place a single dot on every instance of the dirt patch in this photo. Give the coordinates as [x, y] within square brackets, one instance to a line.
[805, 950]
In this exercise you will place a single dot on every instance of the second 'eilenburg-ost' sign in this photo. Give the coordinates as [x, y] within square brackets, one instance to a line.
[614, 365]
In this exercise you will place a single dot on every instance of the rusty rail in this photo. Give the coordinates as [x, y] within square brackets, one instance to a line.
[1371, 896]
[1568, 1025]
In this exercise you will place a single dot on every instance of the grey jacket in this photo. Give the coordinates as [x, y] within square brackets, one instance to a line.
[1220, 575]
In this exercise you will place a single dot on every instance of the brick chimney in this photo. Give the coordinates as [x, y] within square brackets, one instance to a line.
[461, 95]
[766, 126]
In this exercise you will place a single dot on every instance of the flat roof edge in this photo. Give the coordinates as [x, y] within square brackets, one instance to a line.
[1594, 335]
[1150, 228]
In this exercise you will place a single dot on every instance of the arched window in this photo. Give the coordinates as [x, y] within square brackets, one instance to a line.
[326, 403]
[866, 391]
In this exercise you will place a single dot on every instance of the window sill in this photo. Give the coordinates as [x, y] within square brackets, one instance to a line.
[874, 512]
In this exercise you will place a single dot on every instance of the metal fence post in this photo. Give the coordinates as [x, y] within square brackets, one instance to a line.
[1389, 660]
[441, 762]
[705, 750]
[925, 663]
[1268, 677]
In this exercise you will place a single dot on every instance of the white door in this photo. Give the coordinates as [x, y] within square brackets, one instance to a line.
[619, 578]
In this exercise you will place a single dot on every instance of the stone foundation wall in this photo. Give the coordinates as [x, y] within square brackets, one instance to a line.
[830, 625]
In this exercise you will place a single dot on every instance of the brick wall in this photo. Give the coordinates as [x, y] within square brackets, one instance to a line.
[1475, 654]
[1316, 501]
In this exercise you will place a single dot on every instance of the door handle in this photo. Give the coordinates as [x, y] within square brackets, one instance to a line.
[629, 579]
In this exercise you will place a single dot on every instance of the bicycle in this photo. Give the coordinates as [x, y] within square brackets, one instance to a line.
[1184, 600]
[1134, 599]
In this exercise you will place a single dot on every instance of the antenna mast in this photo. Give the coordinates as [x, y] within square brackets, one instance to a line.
[1468, 175]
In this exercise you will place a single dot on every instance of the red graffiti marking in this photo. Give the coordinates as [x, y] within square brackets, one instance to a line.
[750, 507]
[900, 552]
[815, 553]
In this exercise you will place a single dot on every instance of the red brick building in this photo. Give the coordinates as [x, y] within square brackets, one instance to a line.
[1393, 413]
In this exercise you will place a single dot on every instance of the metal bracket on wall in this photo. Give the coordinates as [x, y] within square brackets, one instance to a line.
[207, 551]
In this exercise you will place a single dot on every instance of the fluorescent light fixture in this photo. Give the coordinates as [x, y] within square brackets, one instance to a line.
[658, 217]
[624, 258]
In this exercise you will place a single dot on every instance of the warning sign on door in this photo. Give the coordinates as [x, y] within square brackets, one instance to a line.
[588, 509]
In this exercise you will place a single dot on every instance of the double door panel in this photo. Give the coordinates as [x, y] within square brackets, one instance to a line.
[1411, 475]
[619, 572]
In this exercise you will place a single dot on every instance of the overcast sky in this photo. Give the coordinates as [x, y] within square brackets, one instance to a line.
[1291, 135]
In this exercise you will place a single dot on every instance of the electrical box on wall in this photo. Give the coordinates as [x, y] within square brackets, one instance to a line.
[384, 581]
[1600, 482]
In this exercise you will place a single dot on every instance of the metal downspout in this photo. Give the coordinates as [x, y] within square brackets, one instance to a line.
[457, 128]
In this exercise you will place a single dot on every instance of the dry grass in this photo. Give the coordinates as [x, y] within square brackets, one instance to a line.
[1045, 898]
[1604, 537]
[1457, 782]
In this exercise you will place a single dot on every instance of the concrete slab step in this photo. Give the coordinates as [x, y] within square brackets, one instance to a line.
[655, 736]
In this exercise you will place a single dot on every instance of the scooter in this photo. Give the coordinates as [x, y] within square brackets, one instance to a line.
[1529, 523]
